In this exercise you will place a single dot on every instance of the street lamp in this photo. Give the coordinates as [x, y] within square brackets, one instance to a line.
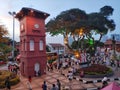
[114, 42]
[13, 43]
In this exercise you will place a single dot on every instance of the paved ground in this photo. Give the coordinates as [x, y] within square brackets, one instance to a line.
[52, 76]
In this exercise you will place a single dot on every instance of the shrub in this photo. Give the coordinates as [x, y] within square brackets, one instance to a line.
[4, 75]
[14, 79]
[2, 84]
[96, 69]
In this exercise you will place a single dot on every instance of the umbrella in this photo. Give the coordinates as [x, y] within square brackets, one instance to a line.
[112, 86]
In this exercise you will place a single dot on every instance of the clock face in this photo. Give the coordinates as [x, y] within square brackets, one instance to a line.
[36, 25]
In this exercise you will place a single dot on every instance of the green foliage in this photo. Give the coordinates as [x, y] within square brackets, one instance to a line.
[64, 21]
[14, 79]
[51, 61]
[78, 24]
[106, 10]
[99, 44]
[4, 75]
[75, 45]
[3, 33]
[5, 49]
[2, 85]
[91, 42]
[80, 44]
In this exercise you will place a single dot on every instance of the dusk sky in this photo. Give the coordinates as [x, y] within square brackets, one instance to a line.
[55, 7]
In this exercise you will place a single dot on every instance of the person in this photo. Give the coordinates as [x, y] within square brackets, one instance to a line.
[70, 75]
[58, 84]
[104, 82]
[48, 66]
[44, 86]
[51, 67]
[54, 87]
[7, 83]
[29, 85]
[39, 73]
[82, 74]
[29, 79]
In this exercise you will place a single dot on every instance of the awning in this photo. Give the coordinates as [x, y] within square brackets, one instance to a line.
[112, 86]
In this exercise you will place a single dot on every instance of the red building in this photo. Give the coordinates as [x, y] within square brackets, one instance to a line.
[32, 41]
[109, 44]
[57, 47]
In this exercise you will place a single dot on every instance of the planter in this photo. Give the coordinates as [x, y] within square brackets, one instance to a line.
[99, 76]
[95, 71]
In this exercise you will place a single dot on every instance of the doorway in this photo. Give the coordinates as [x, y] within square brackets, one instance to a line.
[37, 69]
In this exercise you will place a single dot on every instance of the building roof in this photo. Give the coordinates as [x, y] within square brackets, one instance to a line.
[109, 41]
[56, 45]
[31, 12]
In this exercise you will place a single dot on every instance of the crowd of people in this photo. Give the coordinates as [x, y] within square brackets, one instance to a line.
[13, 68]
[71, 64]
[56, 86]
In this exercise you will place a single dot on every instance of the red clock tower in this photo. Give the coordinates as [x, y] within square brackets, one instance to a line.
[32, 41]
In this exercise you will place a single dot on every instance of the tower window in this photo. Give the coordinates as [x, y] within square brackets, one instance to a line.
[41, 45]
[31, 45]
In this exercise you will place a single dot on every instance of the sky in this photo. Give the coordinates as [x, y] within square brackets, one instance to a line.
[54, 8]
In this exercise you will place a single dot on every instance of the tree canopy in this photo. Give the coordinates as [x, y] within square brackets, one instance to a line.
[3, 33]
[79, 25]
[4, 48]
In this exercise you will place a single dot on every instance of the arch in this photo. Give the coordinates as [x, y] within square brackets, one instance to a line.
[37, 69]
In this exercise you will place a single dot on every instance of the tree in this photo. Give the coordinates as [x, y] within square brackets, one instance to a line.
[101, 22]
[77, 24]
[106, 10]
[4, 48]
[98, 22]
[64, 22]
[3, 34]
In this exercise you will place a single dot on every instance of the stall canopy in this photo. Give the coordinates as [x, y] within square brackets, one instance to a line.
[112, 86]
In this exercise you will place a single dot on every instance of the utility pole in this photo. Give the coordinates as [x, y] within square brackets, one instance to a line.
[13, 42]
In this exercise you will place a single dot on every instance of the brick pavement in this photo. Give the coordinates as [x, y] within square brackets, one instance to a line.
[52, 76]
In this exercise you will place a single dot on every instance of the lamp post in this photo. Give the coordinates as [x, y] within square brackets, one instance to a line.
[58, 57]
[13, 43]
[113, 41]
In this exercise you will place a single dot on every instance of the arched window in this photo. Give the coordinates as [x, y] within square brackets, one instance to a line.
[41, 45]
[31, 45]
